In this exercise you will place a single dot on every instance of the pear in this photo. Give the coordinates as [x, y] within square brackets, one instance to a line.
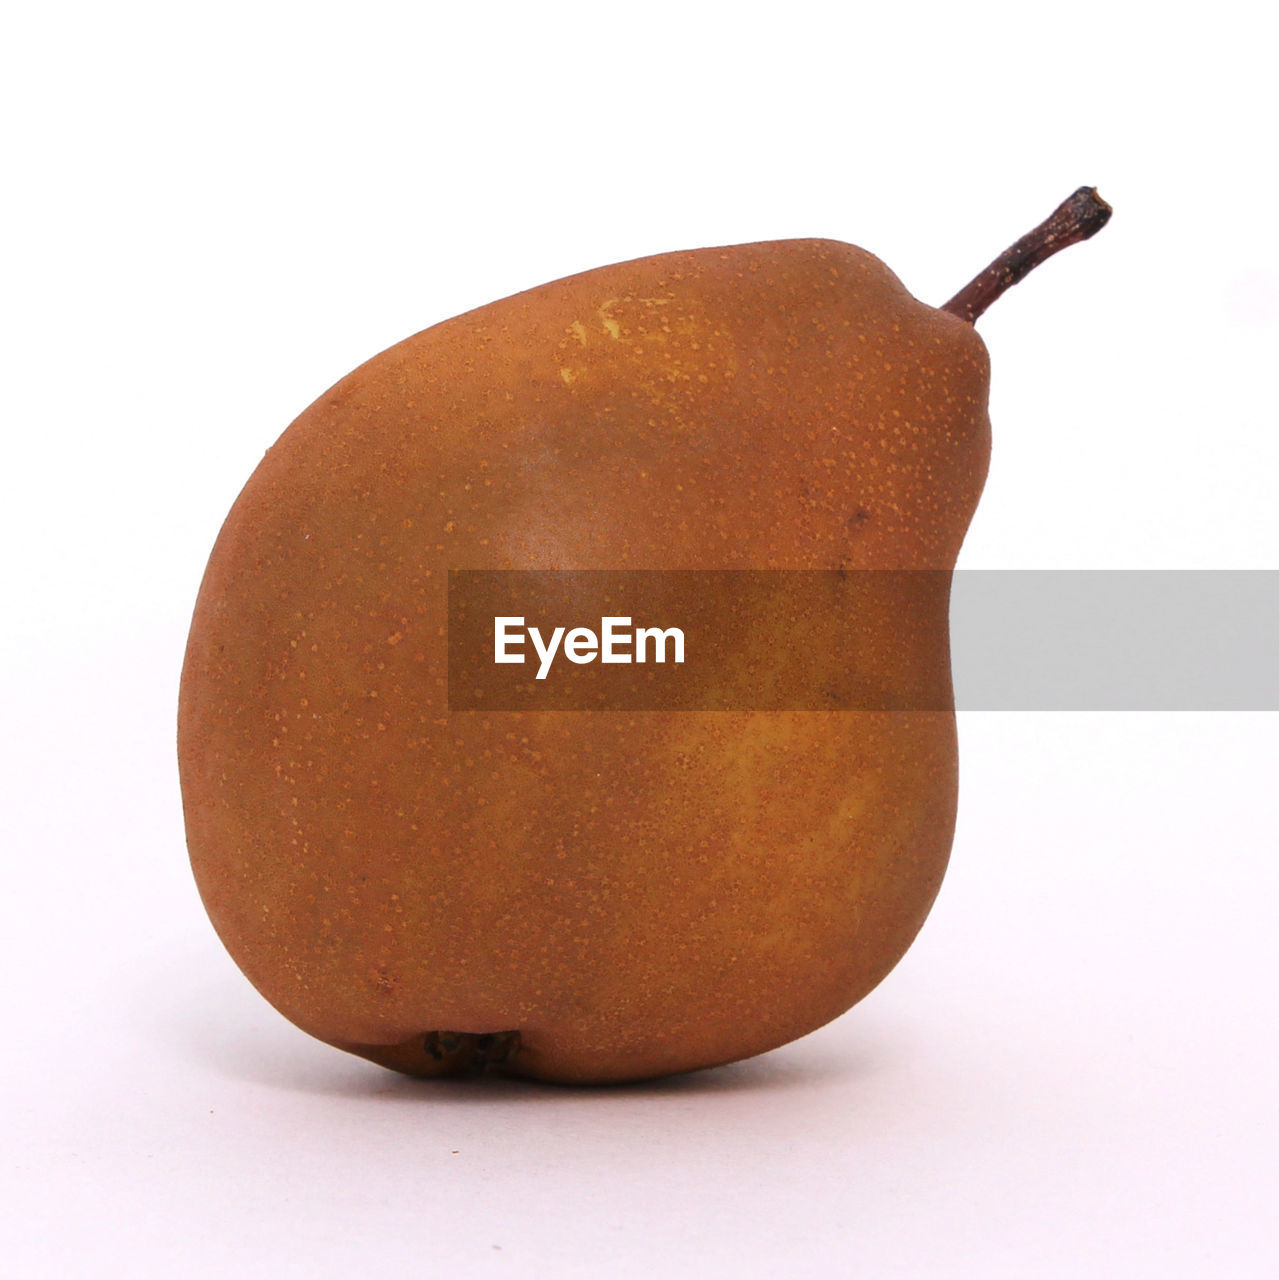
[609, 895]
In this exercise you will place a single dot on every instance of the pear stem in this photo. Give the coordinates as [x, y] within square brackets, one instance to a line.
[1077, 218]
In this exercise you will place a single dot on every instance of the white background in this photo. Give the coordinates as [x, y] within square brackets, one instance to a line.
[212, 213]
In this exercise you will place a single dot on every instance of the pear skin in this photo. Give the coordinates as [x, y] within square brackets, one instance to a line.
[602, 896]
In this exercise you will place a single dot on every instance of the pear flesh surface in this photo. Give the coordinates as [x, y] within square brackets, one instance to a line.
[634, 894]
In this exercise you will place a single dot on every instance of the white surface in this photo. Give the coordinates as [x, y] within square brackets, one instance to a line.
[217, 214]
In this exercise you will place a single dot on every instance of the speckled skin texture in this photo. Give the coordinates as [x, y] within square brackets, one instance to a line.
[635, 893]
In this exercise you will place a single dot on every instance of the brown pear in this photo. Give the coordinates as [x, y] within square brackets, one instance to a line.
[603, 895]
